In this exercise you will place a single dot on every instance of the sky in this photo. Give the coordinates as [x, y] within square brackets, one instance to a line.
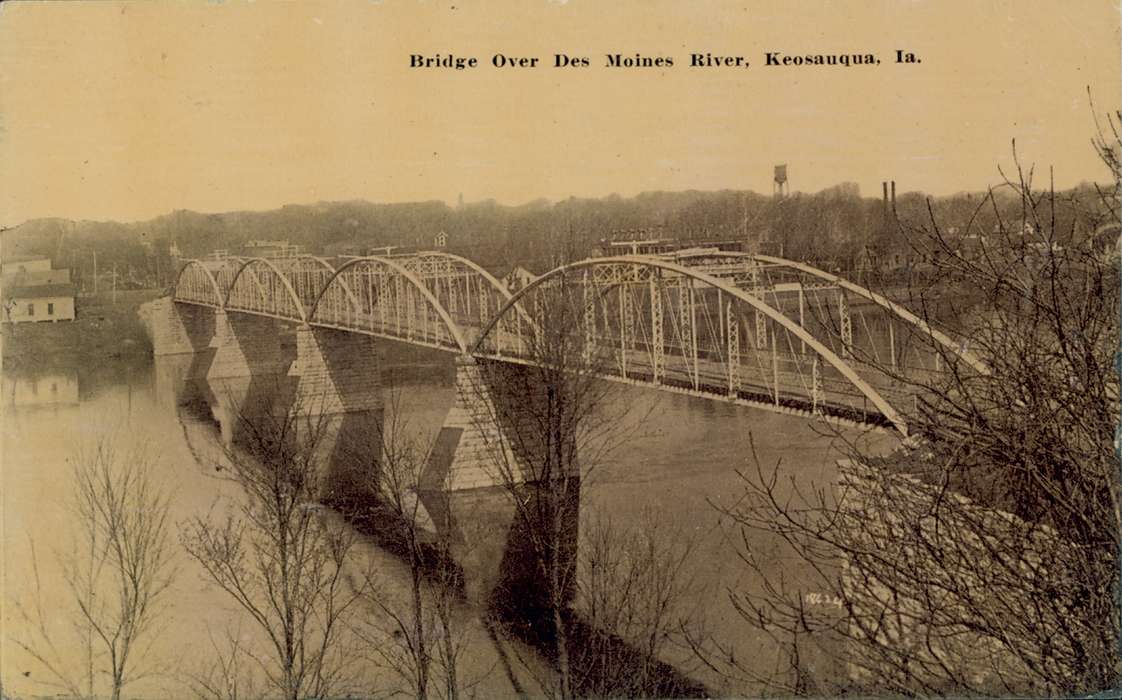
[129, 111]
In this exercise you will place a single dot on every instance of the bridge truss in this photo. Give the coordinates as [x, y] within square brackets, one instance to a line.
[746, 329]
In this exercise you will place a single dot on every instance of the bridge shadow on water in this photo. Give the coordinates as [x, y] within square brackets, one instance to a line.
[478, 545]
[603, 664]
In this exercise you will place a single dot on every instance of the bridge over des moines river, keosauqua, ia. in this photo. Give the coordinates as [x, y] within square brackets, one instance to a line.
[732, 327]
[744, 329]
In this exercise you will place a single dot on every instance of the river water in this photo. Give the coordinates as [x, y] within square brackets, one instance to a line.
[680, 458]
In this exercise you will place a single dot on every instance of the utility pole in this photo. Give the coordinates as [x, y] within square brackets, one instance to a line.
[114, 283]
[95, 271]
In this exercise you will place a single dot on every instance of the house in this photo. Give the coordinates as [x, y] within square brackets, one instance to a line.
[441, 240]
[40, 302]
[15, 264]
[270, 249]
[35, 277]
[644, 246]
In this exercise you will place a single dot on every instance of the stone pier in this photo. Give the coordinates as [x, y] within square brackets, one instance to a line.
[245, 345]
[482, 465]
[247, 374]
[338, 396]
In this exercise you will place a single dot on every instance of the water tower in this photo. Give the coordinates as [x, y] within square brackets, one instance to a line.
[780, 188]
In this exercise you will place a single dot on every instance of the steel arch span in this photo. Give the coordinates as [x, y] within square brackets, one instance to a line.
[470, 294]
[741, 328]
[258, 286]
[654, 322]
[371, 295]
[381, 297]
[196, 284]
[307, 274]
[855, 321]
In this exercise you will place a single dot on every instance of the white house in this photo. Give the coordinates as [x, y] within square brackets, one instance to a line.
[41, 302]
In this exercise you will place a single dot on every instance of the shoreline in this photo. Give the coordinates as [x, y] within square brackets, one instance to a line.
[102, 331]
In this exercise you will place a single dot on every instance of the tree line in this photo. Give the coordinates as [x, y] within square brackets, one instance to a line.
[835, 228]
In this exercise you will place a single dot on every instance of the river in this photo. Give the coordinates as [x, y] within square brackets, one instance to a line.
[680, 458]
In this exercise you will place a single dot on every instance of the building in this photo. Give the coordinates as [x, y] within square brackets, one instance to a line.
[661, 246]
[39, 302]
[35, 277]
[646, 246]
[16, 264]
[31, 291]
[441, 240]
[270, 249]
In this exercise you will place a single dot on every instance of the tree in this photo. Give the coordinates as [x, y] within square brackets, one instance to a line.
[546, 426]
[229, 672]
[415, 635]
[639, 600]
[981, 557]
[117, 574]
[282, 557]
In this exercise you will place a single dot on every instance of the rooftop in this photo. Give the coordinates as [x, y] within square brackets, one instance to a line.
[23, 258]
[40, 291]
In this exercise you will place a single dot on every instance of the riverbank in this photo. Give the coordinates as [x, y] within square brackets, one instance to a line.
[104, 329]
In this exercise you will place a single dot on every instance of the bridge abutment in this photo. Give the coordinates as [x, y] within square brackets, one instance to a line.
[179, 329]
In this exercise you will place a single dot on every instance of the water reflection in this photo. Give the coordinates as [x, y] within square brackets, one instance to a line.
[48, 390]
[680, 458]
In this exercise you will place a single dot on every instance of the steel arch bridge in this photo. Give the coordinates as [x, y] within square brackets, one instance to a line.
[745, 329]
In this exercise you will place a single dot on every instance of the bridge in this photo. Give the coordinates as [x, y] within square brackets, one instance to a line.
[750, 330]
[745, 329]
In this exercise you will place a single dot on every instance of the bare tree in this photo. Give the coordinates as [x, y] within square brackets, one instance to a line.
[229, 671]
[547, 425]
[116, 575]
[982, 556]
[416, 635]
[637, 594]
[282, 557]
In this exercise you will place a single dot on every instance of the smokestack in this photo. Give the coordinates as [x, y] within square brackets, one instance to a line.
[893, 195]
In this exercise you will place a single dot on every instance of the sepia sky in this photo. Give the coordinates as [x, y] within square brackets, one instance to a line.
[129, 111]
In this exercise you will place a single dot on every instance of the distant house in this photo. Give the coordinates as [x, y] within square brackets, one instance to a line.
[40, 302]
[16, 264]
[644, 246]
[270, 249]
[441, 240]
